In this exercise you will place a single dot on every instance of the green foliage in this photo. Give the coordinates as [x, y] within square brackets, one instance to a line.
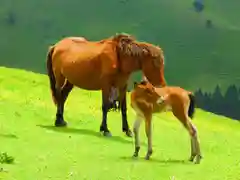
[5, 158]
[80, 152]
[193, 52]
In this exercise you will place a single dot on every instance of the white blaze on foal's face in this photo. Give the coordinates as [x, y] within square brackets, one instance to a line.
[160, 100]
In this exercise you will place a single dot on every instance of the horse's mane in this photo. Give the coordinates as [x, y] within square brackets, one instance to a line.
[127, 45]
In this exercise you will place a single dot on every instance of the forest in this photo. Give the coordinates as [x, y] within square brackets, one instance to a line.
[226, 104]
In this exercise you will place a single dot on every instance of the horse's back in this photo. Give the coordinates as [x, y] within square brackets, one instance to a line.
[78, 46]
[84, 63]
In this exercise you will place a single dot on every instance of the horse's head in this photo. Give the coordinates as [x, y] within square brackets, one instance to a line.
[133, 56]
[152, 65]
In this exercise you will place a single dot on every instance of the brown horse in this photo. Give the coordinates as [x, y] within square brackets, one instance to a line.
[101, 65]
[147, 100]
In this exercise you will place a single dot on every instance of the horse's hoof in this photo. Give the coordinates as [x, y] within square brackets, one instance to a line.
[107, 134]
[129, 133]
[147, 157]
[60, 123]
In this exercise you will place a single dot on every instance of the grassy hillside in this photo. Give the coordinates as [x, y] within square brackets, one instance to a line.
[80, 152]
[193, 52]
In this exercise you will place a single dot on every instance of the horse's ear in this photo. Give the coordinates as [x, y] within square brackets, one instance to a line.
[135, 84]
[143, 82]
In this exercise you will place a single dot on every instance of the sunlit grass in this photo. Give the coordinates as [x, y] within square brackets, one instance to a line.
[44, 152]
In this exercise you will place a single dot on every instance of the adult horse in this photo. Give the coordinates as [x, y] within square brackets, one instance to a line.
[101, 65]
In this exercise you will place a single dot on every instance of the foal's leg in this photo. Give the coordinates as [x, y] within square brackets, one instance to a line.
[123, 104]
[195, 145]
[136, 128]
[148, 130]
[62, 95]
[193, 150]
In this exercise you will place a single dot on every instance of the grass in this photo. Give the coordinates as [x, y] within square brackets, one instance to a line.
[44, 152]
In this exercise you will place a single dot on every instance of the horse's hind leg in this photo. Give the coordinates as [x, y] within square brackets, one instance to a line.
[66, 90]
[125, 126]
[62, 94]
[105, 108]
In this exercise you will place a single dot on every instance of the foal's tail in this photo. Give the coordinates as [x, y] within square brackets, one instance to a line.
[191, 108]
[51, 74]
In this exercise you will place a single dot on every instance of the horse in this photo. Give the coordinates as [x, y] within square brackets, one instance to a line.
[101, 65]
[147, 100]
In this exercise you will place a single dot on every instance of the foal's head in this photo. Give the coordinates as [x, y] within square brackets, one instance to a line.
[145, 90]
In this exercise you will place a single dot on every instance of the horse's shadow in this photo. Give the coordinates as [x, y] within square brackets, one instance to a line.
[154, 160]
[8, 136]
[87, 132]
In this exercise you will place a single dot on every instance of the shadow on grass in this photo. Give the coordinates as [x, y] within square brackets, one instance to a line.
[86, 132]
[153, 160]
[8, 136]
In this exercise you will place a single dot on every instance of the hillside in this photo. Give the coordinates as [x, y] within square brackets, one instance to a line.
[193, 52]
[80, 152]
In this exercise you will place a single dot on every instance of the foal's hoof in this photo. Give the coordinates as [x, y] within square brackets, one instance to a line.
[129, 133]
[135, 155]
[107, 134]
[192, 158]
[60, 123]
[198, 159]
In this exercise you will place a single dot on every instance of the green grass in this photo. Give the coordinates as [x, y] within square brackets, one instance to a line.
[44, 152]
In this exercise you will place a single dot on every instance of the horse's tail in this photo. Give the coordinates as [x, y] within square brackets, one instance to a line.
[51, 74]
[191, 108]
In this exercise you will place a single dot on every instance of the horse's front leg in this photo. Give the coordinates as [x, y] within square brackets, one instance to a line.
[105, 108]
[123, 104]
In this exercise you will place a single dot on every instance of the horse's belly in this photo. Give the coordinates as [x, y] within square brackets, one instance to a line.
[87, 83]
[85, 77]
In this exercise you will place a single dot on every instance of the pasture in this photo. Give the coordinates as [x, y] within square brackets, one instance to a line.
[79, 151]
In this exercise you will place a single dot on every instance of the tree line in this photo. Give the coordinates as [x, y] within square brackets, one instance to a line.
[227, 104]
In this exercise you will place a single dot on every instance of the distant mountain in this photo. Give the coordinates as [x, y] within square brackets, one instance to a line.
[199, 53]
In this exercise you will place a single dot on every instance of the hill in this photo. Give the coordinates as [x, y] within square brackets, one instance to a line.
[193, 52]
[79, 152]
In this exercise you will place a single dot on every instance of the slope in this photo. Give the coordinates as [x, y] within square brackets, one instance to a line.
[80, 152]
[193, 53]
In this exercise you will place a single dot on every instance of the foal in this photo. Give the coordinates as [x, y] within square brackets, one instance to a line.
[147, 100]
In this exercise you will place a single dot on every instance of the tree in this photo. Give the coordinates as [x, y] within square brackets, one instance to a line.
[217, 101]
[207, 101]
[199, 98]
[231, 99]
